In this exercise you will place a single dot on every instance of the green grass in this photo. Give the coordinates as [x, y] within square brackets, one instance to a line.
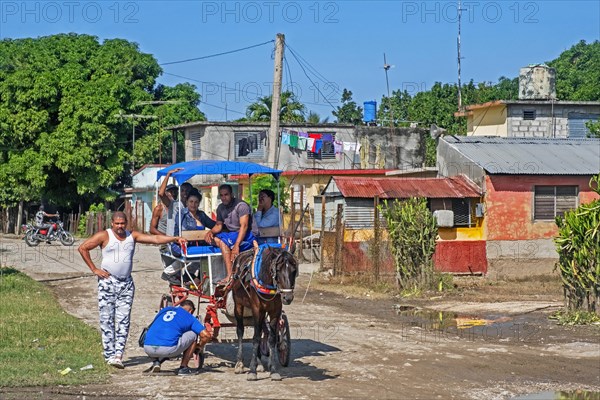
[38, 339]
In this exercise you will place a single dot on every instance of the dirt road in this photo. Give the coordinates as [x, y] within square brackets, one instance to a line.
[344, 347]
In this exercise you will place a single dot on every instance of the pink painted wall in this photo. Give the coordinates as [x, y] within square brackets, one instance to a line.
[509, 205]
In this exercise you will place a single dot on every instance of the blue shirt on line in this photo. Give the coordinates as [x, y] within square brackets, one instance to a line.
[169, 325]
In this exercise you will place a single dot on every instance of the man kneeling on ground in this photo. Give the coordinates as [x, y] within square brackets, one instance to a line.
[173, 332]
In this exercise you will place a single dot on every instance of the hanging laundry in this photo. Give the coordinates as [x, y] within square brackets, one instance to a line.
[243, 147]
[310, 144]
[285, 138]
[263, 137]
[303, 134]
[294, 141]
[327, 137]
[328, 148]
[318, 146]
[338, 147]
[315, 135]
[253, 142]
[349, 146]
[302, 143]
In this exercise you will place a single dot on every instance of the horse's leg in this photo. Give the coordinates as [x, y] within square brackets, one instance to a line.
[239, 319]
[273, 323]
[259, 320]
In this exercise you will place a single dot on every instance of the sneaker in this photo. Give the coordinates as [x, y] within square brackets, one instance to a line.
[155, 366]
[186, 371]
[116, 362]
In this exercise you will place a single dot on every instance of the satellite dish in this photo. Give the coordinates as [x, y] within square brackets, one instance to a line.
[435, 131]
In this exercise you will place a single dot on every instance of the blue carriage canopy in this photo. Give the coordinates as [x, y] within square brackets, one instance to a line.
[213, 167]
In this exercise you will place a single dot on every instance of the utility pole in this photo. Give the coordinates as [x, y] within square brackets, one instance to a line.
[273, 142]
[458, 51]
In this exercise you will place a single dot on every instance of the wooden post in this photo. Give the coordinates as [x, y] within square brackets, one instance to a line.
[301, 223]
[322, 237]
[376, 239]
[339, 240]
[273, 141]
[293, 214]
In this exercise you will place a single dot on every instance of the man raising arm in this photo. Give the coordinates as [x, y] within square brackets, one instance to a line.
[115, 284]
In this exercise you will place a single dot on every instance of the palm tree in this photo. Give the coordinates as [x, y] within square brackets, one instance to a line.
[291, 109]
[314, 118]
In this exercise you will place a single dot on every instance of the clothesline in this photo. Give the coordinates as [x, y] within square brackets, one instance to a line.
[317, 142]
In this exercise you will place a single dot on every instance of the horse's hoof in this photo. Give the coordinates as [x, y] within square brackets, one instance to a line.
[252, 376]
[275, 376]
[260, 368]
[239, 368]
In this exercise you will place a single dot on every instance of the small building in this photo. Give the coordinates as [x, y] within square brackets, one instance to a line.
[537, 113]
[526, 183]
[341, 146]
[142, 195]
[460, 249]
[531, 118]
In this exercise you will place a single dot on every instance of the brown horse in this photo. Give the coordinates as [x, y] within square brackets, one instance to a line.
[264, 296]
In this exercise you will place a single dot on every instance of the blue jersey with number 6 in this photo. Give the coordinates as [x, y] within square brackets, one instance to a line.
[169, 325]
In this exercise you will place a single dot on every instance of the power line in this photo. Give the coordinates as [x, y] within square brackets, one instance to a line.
[309, 78]
[313, 69]
[217, 54]
[230, 88]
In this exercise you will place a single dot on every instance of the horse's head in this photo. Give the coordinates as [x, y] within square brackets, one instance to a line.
[284, 270]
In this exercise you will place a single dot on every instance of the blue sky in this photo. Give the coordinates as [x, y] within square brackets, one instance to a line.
[343, 41]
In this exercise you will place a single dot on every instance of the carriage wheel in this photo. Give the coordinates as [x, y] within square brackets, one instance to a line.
[165, 301]
[284, 341]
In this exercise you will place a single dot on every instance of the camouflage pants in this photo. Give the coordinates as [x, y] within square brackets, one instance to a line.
[115, 298]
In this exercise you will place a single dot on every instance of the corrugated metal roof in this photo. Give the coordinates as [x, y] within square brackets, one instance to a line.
[402, 188]
[530, 156]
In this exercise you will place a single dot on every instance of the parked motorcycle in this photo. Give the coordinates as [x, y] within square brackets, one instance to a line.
[33, 235]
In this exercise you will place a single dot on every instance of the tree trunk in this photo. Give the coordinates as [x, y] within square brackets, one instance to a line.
[19, 218]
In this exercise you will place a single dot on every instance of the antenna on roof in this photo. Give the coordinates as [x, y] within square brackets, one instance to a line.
[460, 107]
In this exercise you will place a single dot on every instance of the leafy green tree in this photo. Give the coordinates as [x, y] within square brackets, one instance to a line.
[180, 106]
[61, 137]
[261, 182]
[594, 127]
[291, 109]
[394, 109]
[578, 72]
[314, 118]
[348, 112]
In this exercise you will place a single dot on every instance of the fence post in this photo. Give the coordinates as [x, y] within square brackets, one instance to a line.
[376, 239]
[339, 240]
[322, 238]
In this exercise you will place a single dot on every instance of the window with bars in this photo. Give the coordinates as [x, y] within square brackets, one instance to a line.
[462, 209]
[462, 212]
[552, 201]
[529, 115]
[327, 152]
[250, 145]
[196, 141]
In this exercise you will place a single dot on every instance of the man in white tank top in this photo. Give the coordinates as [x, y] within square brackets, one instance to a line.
[115, 285]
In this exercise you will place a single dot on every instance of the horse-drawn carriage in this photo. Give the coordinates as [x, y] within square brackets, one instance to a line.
[264, 278]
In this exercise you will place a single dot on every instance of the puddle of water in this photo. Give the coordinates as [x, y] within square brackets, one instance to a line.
[451, 323]
[566, 395]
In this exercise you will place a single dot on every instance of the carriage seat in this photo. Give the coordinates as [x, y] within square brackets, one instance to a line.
[197, 246]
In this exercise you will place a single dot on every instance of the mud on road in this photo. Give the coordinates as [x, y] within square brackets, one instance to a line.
[342, 347]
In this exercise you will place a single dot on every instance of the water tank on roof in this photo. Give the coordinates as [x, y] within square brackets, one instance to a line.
[537, 82]
[370, 111]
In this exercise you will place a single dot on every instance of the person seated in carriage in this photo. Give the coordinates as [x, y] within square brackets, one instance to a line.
[232, 232]
[266, 216]
[191, 219]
